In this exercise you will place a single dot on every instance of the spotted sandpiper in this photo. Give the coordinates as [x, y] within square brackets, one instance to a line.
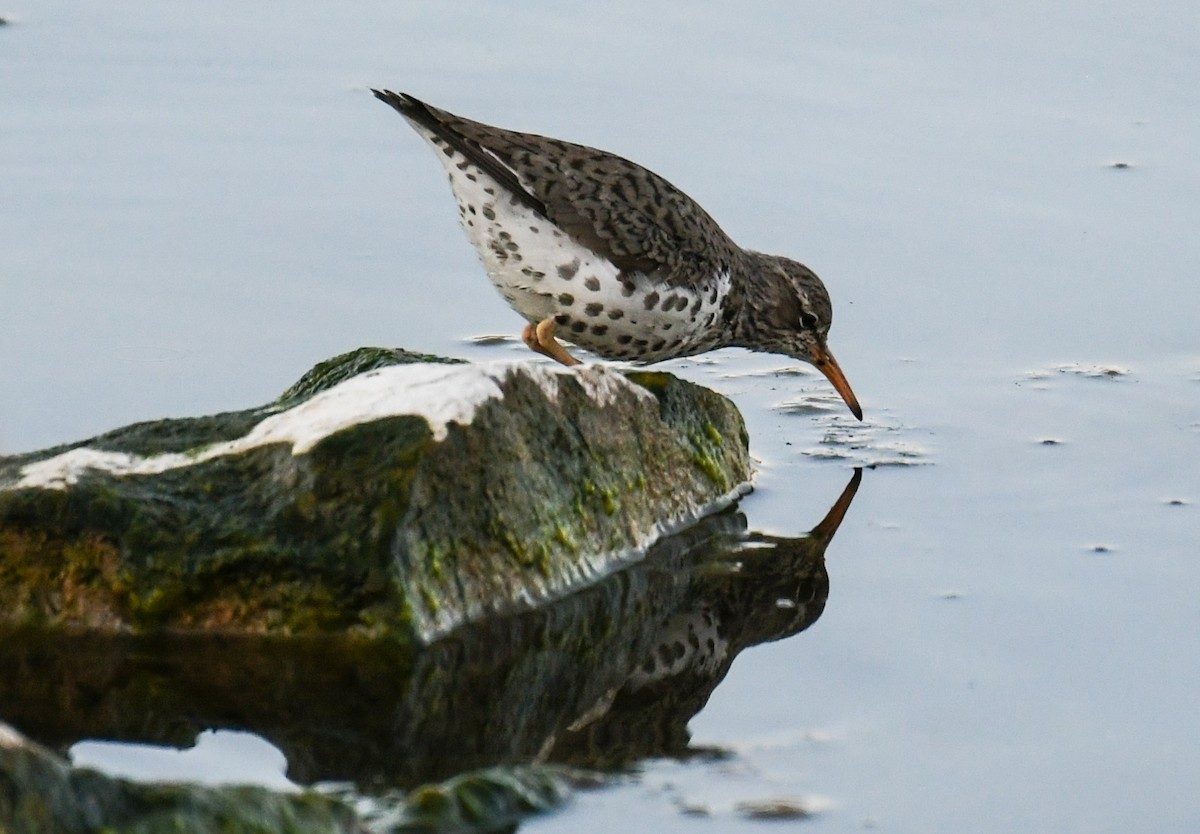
[625, 263]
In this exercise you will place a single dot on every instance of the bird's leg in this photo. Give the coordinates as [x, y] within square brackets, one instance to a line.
[540, 338]
[529, 337]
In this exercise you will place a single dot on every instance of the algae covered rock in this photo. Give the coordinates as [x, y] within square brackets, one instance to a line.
[384, 494]
[45, 795]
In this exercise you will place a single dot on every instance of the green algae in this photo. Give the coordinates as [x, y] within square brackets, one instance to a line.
[656, 382]
[489, 800]
[705, 456]
[431, 600]
[563, 536]
[610, 498]
[714, 436]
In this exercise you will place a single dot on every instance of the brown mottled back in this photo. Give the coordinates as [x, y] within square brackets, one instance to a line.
[615, 207]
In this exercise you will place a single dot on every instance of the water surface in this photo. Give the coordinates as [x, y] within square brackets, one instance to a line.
[197, 206]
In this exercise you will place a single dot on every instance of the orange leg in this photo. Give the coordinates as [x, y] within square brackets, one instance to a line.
[540, 338]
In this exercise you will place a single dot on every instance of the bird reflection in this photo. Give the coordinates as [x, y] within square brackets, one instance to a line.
[754, 588]
[601, 679]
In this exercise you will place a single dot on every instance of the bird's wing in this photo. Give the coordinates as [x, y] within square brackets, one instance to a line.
[615, 207]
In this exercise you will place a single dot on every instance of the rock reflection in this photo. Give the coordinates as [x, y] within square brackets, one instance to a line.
[598, 680]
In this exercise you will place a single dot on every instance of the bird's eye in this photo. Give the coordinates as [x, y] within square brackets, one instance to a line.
[808, 320]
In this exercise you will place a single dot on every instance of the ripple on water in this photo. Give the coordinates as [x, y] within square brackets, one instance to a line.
[1080, 369]
[774, 809]
[870, 444]
[786, 370]
[808, 406]
[492, 339]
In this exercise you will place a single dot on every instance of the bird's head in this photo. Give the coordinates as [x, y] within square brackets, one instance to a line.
[789, 312]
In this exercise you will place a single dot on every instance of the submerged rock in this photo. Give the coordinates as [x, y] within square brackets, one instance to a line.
[47, 796]
[385, 494]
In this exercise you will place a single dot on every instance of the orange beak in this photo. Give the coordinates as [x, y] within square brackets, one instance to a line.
[826, 364]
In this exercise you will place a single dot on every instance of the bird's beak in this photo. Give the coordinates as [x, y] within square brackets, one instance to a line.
[826, 364]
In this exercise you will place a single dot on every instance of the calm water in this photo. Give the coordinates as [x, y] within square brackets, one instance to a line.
[197, 206]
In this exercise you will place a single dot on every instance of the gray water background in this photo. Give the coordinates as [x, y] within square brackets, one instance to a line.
[197, 203]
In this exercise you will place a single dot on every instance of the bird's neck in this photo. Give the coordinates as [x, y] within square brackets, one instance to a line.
[755, 283]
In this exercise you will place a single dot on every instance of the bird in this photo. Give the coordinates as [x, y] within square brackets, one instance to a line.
[585, 243]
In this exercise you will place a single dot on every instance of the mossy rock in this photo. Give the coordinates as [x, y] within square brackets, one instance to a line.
[386, 494]
[47, 796]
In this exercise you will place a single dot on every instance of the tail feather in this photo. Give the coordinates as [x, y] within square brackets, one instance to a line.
[410, 108]
[445, 126]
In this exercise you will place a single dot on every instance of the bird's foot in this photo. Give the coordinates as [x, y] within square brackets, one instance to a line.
[540, 339]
